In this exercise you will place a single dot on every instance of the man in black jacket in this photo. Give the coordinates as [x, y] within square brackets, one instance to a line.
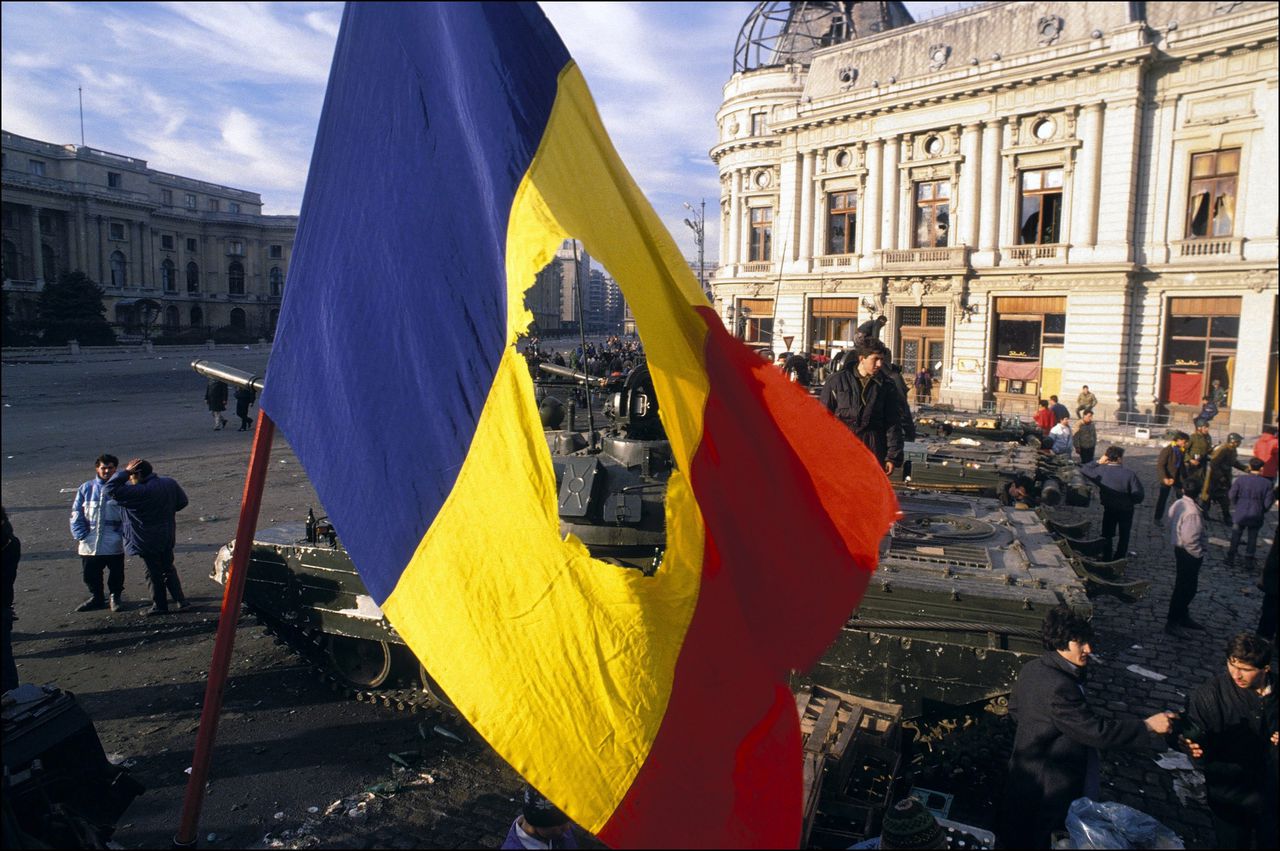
[864, 400]
[1169, 470]
[1232, 734]
[1119, 491]
[1055, 749]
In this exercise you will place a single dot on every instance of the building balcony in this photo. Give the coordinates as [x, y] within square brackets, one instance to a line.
[838, 261]
[15, 284]
[924, 258]
[1225, 248]
[764, 267]
[1040, 255]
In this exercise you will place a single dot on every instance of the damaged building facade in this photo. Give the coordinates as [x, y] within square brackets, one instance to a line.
[1038, 196]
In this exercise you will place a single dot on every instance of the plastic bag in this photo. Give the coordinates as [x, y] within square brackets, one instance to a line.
[1110, 825]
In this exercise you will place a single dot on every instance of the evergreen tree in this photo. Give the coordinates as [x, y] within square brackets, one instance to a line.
[71, 309]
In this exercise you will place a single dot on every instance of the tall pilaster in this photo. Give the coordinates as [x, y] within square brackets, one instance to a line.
[1119, 171]
[735, 219]
[989, 210]
[869, 239]
[889, 195]
[1084, 208]
[970, 169]
[808, 210]
[37, 248]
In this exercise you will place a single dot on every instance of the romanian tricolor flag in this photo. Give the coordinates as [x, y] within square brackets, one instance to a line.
[457, 149]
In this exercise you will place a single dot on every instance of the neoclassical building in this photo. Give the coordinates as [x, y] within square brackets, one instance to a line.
[1038, 196]
[171, 253]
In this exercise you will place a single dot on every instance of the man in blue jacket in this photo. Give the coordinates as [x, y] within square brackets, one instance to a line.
[1119, 491]
[151, 504]
[1251, 497]
[96, 525]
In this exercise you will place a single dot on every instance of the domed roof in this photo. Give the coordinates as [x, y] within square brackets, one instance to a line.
[783, 33]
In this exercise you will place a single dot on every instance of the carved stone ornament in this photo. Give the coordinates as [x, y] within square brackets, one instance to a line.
[938, 56]
[734, 127]
[1048, 30]
[848, 76]
[1224, 8]
[1258, 280]
[756, 289]
[1029, 282]
[833, 286]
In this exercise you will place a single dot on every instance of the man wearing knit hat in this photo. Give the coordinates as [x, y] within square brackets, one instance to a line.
[541, 824]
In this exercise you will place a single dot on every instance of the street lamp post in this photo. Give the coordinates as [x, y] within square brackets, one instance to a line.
[699, 228]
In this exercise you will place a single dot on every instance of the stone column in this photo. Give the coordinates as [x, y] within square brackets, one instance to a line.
[808, 211]
[735, 219]
[1084, 213]
[143, 272]
[869, 239]
[889, 195]
[970, 169]
[1118, 169]
[989, 209]
[81, 215]
[104, 279]
[37, 252]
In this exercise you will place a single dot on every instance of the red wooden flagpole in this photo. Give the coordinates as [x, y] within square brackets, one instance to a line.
[233, 593]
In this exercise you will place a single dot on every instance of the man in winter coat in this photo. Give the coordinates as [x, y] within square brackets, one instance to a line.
[1251, 496]
[1086, 401]
[1169, 470]
[1058, 410]
[867, 402]
[893, 372]
[1085, 440]
[1233, 739]
[1190, 542]
[215, 396]
[244, 398]
[1060, 434]
[1120, 491]
[1055, 757]
[151, 504]
[1267, 449]
[1217, 479]
[96, 523]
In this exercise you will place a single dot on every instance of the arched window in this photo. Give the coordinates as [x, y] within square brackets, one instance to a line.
[197, 317]
[235, 278]
[276, 278]
[237, 318]
[193, 278]
[171, 317]
[119, 270]
[50, 262]
[275, 319]
[168, 276]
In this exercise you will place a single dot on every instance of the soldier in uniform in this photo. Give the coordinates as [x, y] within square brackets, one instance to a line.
[1217, 480]
[1200, 443]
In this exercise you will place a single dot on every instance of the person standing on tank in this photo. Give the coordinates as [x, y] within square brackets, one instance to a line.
[866, 401]
[151, 504]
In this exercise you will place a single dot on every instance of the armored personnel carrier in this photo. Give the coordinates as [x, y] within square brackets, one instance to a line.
[943, 421]
[981, 468]
[954, 610]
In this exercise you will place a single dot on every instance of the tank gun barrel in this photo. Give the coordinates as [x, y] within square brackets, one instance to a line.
[229, 374]
[566, 372]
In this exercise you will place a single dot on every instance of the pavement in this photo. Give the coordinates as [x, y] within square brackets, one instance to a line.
[1132, 634]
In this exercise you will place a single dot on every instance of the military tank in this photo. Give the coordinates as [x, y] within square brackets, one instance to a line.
[302, 586]
[950, 616]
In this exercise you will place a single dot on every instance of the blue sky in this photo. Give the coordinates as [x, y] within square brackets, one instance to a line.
[231, 92]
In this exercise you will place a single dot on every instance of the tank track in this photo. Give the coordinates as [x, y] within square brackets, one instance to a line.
[308, 644]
